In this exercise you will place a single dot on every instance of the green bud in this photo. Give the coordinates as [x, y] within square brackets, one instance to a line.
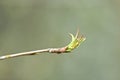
[75, 42]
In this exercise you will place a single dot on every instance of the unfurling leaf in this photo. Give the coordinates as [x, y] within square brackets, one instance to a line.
[75, 42]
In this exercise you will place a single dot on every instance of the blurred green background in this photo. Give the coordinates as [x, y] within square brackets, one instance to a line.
[27, 25]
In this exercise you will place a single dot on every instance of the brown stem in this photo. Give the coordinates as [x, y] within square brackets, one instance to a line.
[50, 50]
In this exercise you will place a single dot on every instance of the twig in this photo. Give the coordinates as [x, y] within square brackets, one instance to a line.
[49, 50]
[76, 41]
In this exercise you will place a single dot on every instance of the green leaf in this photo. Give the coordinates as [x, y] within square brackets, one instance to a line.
[75, 42]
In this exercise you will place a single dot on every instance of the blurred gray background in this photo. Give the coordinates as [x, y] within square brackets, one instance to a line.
[27, 25]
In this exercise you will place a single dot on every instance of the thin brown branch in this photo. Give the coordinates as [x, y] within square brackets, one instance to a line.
[49, 50]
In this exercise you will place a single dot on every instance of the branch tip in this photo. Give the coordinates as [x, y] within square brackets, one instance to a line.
[75, 42]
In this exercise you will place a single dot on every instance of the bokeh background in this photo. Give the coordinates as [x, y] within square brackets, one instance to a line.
[27, 25]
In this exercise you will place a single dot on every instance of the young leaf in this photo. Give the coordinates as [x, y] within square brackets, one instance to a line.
[75, 42]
